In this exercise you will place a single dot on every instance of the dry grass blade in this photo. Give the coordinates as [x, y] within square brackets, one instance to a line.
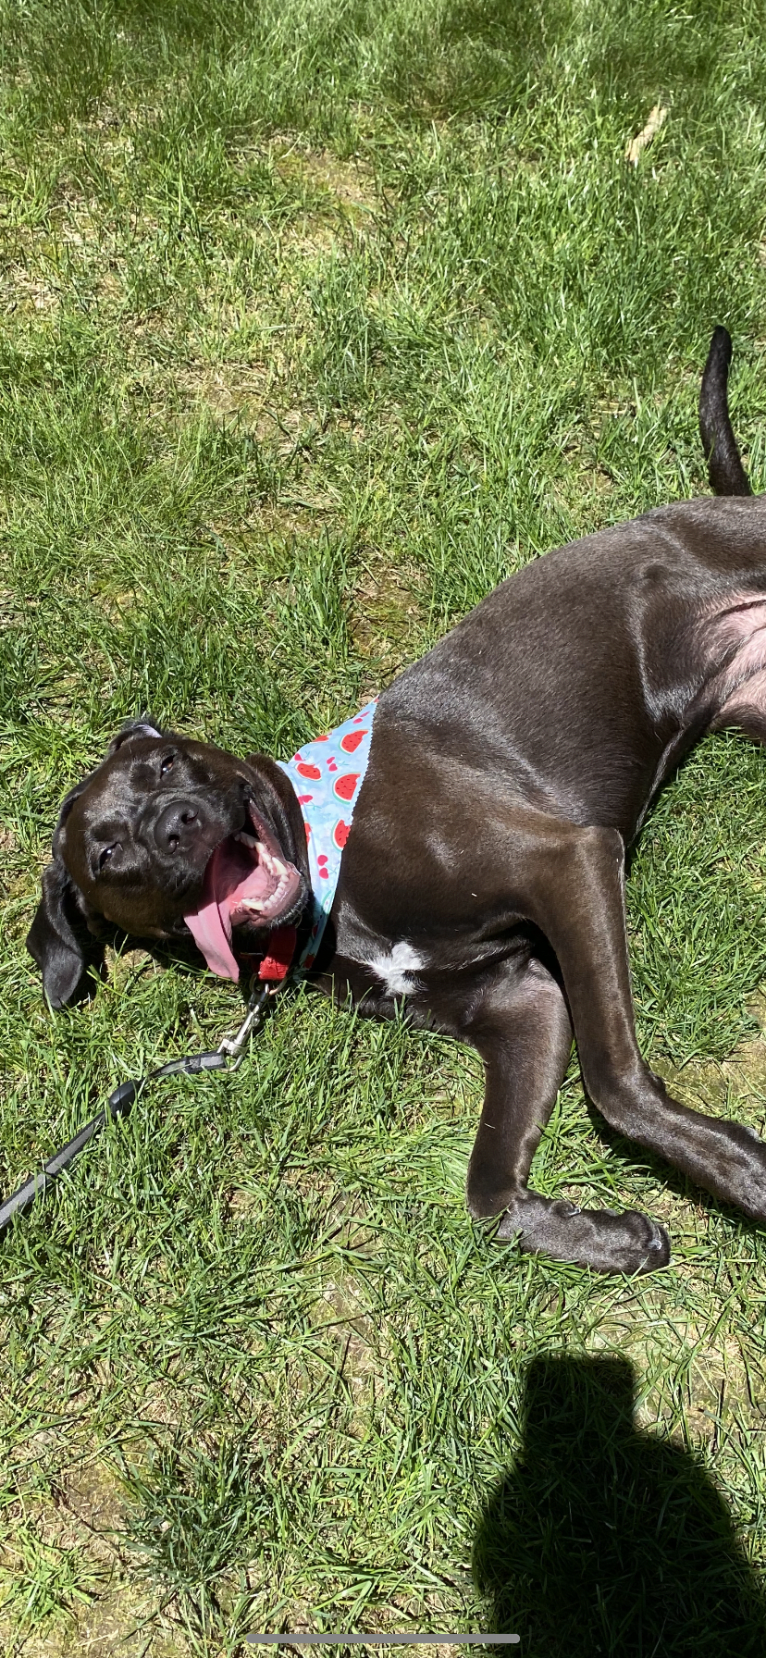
[657, 118]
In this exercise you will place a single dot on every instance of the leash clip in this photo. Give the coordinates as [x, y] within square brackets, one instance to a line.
[233, 1046]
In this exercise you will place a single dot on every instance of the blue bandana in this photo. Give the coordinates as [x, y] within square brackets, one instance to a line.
[327, 775]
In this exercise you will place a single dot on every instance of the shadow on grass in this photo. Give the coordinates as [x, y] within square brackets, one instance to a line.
[606, 1540]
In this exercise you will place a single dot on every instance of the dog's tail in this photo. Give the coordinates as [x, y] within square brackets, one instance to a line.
[725, 470]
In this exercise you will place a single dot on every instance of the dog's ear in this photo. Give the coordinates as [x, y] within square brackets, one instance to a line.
[58, 946]
[58, 938]
[144, 727]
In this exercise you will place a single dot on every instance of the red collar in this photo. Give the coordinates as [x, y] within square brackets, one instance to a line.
[276, 965]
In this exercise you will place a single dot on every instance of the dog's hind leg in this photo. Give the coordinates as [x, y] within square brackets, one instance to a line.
[524, 1034]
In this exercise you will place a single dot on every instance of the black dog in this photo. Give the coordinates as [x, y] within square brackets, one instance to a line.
[483, 878]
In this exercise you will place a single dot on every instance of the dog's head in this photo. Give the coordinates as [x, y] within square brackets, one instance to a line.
[169, 840]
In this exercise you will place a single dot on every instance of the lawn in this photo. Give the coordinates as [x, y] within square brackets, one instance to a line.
[319, 317]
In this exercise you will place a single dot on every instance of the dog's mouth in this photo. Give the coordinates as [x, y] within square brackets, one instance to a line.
[248, 881]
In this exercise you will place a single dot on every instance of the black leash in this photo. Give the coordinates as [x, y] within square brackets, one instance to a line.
[228, 1057]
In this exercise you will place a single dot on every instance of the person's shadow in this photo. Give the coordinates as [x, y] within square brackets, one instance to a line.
[604, 1540]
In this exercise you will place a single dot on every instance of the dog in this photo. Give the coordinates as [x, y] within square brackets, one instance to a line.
[482, 882]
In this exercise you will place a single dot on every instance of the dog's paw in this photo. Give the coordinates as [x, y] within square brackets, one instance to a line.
[734, 1168]
[596, 1238]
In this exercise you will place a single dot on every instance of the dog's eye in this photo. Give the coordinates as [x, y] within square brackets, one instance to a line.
[105, 856]
[167, 764]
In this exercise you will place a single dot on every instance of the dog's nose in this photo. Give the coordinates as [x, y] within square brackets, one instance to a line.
[178, 826]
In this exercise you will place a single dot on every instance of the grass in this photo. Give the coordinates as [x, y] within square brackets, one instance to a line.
[317, 320]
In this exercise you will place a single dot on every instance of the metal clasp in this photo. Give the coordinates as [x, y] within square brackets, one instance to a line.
[233, 1046]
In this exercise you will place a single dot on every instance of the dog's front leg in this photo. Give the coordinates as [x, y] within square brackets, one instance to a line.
[521, 1027]
[578, 901]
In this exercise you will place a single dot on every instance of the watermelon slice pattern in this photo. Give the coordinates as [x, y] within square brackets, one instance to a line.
[327, 775]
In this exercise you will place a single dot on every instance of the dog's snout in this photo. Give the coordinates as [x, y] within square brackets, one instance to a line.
[177, 826]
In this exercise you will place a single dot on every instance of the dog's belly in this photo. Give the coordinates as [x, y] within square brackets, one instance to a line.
[737, 646]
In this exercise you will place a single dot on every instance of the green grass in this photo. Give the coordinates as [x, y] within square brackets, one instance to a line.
[317, 320]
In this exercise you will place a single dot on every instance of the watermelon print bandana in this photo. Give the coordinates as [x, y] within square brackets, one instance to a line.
[327, 775]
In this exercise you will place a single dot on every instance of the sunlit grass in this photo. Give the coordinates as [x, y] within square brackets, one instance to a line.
[317, 321]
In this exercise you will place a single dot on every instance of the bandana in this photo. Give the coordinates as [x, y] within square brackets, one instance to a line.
[327, 775]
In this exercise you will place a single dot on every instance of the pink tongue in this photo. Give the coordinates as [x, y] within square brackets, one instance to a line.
[210, 937]
[210, 925]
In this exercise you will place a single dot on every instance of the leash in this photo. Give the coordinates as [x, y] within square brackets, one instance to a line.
[267, 980]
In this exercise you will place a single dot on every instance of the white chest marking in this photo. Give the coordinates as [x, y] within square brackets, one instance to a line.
[397, 967]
